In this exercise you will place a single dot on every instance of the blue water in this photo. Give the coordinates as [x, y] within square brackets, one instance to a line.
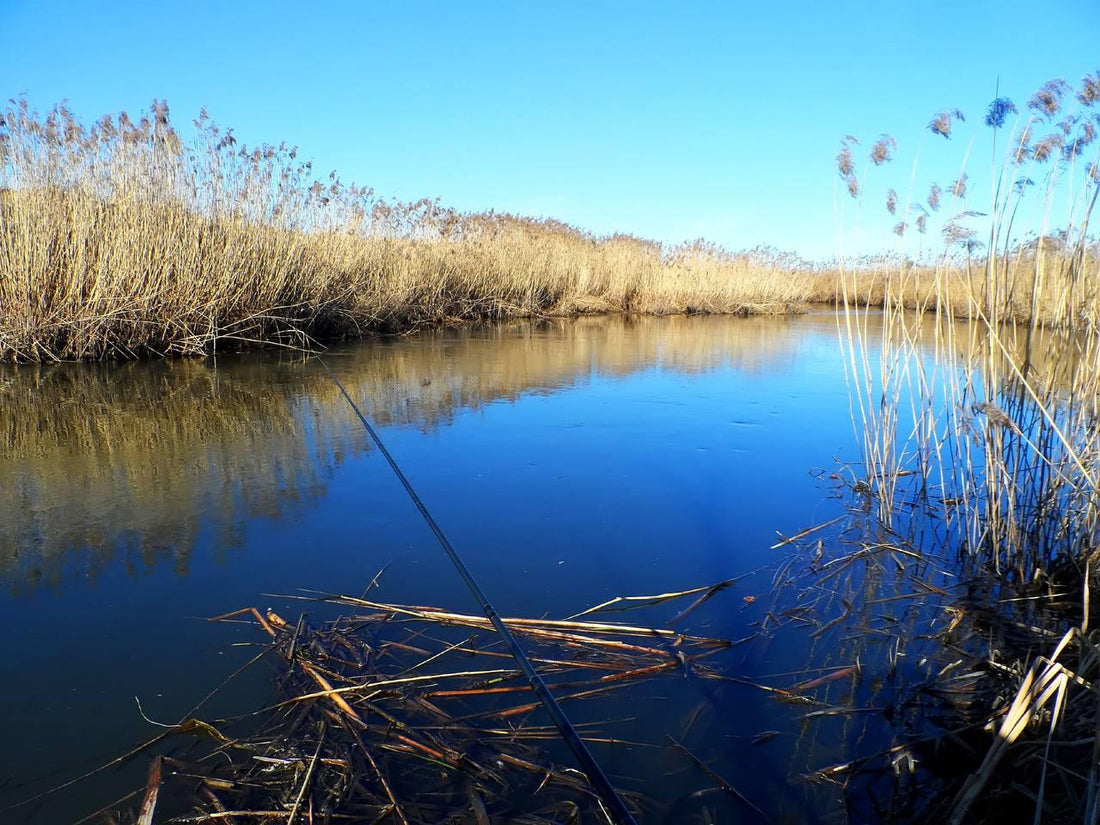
[569, 462]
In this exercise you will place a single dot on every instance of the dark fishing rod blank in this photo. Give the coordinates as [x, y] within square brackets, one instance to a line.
[613, 804]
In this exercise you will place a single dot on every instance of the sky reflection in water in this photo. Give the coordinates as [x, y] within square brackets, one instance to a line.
[569, 462]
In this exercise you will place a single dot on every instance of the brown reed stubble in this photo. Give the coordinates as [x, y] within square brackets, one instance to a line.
[121, 240]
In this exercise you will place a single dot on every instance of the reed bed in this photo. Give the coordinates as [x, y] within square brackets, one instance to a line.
[127, 238]
[981, 450]
[122, 239]
[408, 714]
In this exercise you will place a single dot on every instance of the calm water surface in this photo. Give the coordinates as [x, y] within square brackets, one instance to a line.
[569, 462]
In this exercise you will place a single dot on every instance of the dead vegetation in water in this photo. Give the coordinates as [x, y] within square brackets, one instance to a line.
[964, 696]
[406, 714]
[894, 671]
[981, 455]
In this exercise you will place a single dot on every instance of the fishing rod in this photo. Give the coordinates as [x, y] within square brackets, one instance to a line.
[613, 804]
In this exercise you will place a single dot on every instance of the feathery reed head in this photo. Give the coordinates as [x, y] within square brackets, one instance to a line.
[883, 150]
[944, 120]
[1090, 90]
[935, 194]
[955, 233]
[998, 112]
[1047, 101]
[844, 163]
[1047, 147]
[1075, 147]
[846, 166]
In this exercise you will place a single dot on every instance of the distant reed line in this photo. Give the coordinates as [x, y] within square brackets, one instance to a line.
[121, 240]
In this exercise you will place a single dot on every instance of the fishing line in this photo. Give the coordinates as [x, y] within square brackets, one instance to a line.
[615, 808]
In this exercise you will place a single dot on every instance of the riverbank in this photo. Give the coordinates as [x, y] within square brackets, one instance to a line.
[119, 240]
[88, 278]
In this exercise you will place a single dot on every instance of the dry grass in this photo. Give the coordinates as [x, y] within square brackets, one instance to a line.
[1040, 281]
[122, 240]
[981, 449]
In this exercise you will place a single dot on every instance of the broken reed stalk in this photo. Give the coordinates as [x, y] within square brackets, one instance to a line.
[375, 722]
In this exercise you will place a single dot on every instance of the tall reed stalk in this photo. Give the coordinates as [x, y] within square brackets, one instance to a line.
[988, 394]
[978, 411]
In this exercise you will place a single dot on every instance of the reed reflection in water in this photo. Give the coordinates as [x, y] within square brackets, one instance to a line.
[568, 461]
[128, 463]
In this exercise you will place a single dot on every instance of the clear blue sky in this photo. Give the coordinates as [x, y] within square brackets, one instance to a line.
[667, 120]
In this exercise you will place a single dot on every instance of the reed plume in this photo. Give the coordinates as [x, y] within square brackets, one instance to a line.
[980, 448]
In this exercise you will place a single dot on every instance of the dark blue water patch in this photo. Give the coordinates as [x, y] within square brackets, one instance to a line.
[569, 463]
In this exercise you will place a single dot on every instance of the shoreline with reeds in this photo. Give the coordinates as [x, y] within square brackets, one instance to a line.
[121, 240]
[975, 501]
[85, 278]
[976, 493]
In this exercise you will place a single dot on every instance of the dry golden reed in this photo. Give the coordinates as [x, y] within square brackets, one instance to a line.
[981, 446]
[121, 239]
